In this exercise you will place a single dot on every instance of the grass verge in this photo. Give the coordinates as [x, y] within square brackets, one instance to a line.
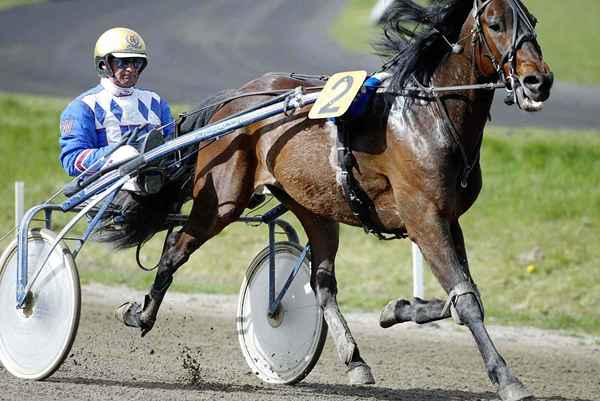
[567, 30]
[6, 4]
[532, 236]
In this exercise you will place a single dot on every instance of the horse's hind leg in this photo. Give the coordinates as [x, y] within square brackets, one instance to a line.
[179, 247]
[443, 246]
[323, 235]
[214, 208]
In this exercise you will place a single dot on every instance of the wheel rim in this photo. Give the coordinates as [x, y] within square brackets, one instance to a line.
[34, 342]
[280, 349]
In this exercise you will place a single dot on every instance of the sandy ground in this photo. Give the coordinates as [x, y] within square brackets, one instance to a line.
[193, 353]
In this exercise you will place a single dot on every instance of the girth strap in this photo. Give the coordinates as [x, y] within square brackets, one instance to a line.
[361, 205]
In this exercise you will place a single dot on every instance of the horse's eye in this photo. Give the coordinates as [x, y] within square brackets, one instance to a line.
[496, 24]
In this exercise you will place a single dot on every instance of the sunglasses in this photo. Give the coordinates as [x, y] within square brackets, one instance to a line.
[136, 62]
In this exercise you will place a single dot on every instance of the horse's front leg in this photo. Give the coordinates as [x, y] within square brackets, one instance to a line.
[324, 240]
[442, 245]
[419, 310]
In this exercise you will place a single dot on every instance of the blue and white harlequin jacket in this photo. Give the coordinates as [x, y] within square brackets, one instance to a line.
[98, 118]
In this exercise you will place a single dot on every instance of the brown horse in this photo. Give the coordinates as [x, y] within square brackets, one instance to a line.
[415, 155]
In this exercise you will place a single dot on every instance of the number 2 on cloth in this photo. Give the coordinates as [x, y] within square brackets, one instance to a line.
[337, 95]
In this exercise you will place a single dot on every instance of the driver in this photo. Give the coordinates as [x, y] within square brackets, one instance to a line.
[100, 116]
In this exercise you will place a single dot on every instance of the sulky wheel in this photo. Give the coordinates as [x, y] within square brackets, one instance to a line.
[35, 340]
[283, 349]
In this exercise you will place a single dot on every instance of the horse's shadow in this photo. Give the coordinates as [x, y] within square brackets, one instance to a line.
[152, 385]
[303, 389]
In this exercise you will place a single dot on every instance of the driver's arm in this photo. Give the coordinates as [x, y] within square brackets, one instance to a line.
[79, 147]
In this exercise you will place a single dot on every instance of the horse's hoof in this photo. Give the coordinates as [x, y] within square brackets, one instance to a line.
[387, 318]
[389, 314]
[129, 314]
[515, 392]
[360, 373]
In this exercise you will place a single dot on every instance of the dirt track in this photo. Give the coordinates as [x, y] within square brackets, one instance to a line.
[193, 353]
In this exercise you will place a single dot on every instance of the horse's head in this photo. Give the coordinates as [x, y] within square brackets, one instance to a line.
[506, 45]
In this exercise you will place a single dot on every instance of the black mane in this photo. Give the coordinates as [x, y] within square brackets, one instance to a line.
[413, 37]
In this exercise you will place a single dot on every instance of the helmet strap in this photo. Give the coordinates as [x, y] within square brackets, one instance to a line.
[105, 65]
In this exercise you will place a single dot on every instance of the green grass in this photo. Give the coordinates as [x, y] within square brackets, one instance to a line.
[6, 4]
[541, 197]
[568, 32]
[352, 28]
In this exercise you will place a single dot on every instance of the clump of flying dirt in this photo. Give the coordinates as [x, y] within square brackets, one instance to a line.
[191, 366]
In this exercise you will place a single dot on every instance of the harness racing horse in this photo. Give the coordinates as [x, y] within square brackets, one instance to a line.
[414, 152]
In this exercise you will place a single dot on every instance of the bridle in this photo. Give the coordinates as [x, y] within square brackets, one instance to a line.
[478, 38]
[523, 31]
[508, 81]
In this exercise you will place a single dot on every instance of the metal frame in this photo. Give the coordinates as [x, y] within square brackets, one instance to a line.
[104, 185]
[271, 218]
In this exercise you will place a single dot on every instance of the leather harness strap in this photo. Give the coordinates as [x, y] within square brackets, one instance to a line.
[361, 205]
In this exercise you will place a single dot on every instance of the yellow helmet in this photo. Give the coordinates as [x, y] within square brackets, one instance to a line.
[118, 42]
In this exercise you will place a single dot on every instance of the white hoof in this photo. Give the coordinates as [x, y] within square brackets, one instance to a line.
[387, 318]
[360, 374]
[129, 314]
[515, 392]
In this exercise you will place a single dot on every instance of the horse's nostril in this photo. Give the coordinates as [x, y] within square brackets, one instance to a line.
[537, 86]
[532, 81]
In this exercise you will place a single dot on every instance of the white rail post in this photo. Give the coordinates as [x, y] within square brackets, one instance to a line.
[417, 267]
[19, 202]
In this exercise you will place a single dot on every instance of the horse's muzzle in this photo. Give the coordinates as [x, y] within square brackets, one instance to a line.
[536, 86]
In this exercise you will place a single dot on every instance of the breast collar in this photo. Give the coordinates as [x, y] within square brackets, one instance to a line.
[115, 90]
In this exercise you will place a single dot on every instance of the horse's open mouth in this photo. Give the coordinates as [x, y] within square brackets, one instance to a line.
[526, 103]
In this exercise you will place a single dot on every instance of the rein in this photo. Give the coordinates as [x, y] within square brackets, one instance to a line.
[457, 88]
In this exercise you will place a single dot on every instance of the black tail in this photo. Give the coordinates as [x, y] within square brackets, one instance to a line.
[139, 217]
